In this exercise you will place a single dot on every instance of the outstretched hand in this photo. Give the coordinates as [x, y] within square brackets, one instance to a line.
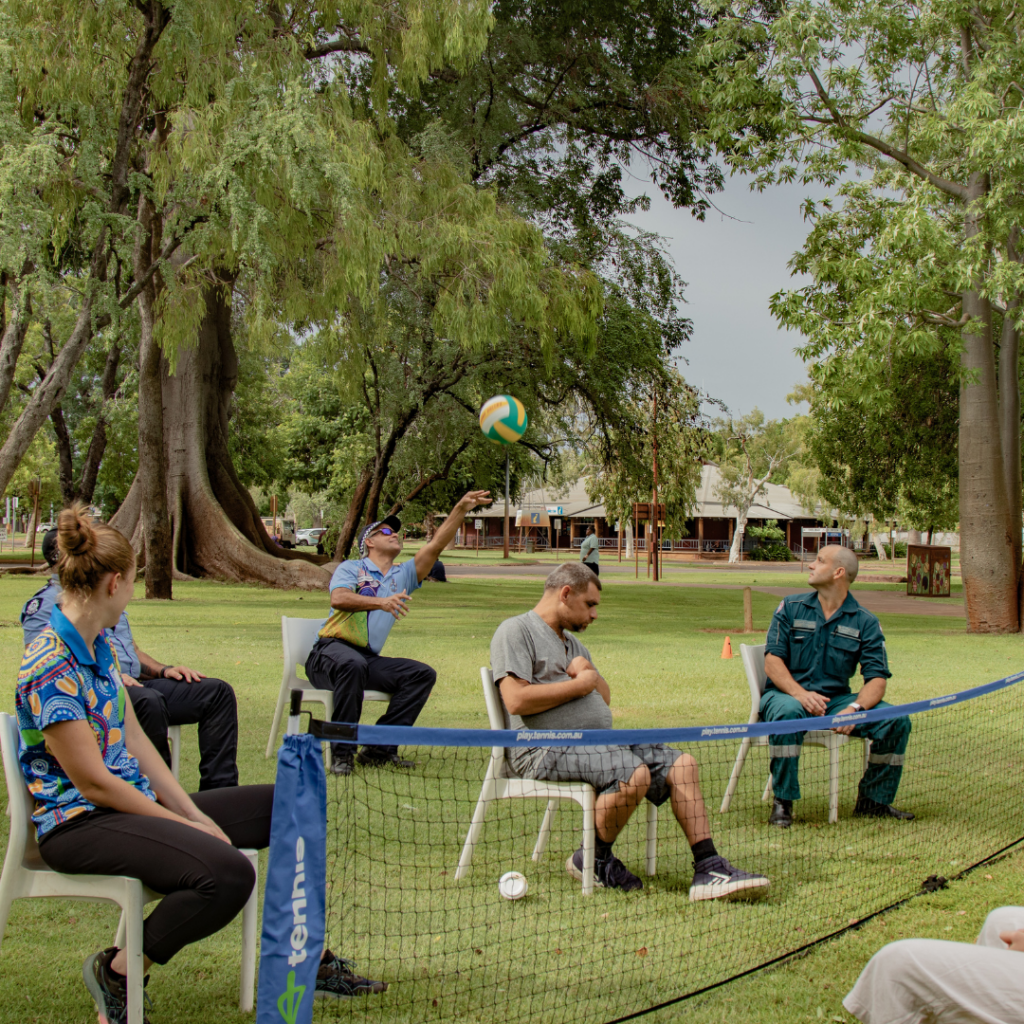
[471, 499]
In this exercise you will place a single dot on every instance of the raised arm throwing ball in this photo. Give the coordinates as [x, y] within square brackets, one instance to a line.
[503, 419]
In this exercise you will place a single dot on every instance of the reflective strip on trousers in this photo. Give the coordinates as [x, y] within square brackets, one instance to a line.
[896, 759]
[792, 750]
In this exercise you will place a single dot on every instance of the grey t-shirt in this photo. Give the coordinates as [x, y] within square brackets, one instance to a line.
[590, 550]
[529, 648]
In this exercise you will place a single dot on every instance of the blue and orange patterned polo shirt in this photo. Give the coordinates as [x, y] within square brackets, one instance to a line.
[60, 681]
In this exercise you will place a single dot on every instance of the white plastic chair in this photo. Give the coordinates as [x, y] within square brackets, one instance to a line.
[26, 876]
[753, 664]
[298, 637]
[174, 739]
[501, 784]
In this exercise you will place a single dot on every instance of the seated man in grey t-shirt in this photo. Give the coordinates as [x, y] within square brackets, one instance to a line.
[547, 680]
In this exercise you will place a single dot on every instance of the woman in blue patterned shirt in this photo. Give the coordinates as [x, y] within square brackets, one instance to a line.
[105, 802]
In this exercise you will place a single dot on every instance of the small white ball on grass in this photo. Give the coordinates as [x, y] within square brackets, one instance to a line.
[512, 885]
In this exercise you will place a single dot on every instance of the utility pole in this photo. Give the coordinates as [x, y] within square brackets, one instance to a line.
[506, 504]
[654, 507]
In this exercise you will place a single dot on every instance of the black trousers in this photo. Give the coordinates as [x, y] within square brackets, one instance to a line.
[205, 882]
[210, 704]
[349, 670]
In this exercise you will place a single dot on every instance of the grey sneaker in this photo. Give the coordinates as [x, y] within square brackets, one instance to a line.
[715, 877]
[336, 979]
[108, 991]
[609, 873]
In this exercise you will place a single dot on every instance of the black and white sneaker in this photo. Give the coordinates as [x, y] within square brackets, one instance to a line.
[336, 979]
[609, 873]
[108, 990]
[716, 877]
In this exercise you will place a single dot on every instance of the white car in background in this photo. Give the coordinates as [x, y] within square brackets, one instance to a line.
[309, 535]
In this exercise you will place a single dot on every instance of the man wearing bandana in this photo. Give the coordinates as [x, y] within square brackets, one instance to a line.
[367, 596]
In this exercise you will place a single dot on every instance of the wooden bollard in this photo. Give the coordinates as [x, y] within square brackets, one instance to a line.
[748, 611]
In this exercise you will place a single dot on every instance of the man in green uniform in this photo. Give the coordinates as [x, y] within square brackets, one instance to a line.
[814, 644]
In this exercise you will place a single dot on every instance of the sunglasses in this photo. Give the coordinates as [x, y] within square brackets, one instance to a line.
[386, 531]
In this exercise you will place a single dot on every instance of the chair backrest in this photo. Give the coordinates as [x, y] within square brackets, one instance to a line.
[497, 716]
[753, 665]
[19, 801]
[297, 638]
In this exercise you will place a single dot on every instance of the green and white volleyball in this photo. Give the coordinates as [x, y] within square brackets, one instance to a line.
[503, 419]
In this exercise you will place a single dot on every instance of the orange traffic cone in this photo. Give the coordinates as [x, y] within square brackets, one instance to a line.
[727, 648]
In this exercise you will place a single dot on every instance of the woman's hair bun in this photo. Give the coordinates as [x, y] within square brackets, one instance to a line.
[75, 534]
[88, 551]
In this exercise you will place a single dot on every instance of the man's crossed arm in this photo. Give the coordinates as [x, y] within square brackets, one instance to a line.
[522, 697]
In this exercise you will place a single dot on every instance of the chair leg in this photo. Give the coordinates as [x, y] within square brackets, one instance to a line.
[174, 735]
[545, 829]
[833, 783]
[589, 845]
[133, 948]
[867, 753]
[652, 839]
[475, 828]
[767, 788]
[247, 983]
[278, 712]
[734, 779]
[6, 894]
[121, 935]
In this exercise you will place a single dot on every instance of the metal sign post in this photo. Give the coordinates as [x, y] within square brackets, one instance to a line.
[505, 555]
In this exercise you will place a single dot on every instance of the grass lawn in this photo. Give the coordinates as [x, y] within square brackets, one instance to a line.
[660, 650]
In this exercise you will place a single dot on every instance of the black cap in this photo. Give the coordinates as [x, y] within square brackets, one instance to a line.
[50, 551]
[393, 521]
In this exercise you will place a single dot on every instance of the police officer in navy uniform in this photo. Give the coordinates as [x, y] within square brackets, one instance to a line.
[170, 694]
[815, 642]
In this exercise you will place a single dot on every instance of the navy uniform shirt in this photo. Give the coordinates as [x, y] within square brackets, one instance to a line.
[820, 655]
[35, 617]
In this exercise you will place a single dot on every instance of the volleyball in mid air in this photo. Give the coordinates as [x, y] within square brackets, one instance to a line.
[503, 419]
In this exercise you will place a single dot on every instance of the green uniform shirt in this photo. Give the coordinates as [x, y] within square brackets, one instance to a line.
[820, 655]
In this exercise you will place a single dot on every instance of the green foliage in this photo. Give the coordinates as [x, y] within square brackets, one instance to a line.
[771, 542]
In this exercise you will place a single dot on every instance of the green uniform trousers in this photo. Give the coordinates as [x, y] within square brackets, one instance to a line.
[885, 764]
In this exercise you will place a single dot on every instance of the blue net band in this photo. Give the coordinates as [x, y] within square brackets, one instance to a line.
[413, 736]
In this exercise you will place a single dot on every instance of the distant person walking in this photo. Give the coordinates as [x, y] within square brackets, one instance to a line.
[590, 551]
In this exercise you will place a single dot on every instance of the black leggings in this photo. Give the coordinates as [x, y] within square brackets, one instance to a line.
[205, 882]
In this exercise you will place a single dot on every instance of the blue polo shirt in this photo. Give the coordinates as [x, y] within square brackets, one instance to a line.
[60, 681]
[820, 655]
[368, 629]
[35, 617]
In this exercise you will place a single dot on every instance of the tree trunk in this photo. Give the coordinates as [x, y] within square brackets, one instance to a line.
[17, 311]
[98, 443]
[737, 538]
[987, 531]
[156, 523]
[65, 464]
[347, 536]
[1010, 425]
[215, 526]
[876, 539]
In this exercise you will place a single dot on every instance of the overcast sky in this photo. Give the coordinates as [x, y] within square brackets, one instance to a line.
[732, 267]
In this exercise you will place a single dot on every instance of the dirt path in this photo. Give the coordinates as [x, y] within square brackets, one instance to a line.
[878, 601]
